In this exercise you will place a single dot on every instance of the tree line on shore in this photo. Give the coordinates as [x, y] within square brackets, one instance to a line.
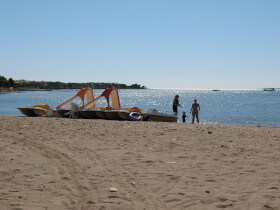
[6, 83]
[23, 84]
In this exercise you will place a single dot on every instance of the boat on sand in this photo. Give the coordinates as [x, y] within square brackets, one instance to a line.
[112, 111]
[36, 110]
[61, 110]
[155, 115]
[122, 114]
[84, 93]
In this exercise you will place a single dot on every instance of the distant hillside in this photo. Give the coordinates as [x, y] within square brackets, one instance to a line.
[24, 84]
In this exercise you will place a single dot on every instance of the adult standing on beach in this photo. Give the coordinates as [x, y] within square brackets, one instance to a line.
[176, 104]
[194, 110]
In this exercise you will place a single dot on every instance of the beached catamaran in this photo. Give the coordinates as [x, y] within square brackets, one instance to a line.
[84, 93]
[36, 110]
[46, 110]
[112, 111]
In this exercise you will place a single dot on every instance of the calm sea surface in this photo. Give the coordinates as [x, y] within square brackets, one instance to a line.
[231, 107]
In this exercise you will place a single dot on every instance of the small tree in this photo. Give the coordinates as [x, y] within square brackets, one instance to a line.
[11, 82]
[3, 81]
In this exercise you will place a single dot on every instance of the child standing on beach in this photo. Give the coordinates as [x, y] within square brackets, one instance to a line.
[184, 117]
[194, 111]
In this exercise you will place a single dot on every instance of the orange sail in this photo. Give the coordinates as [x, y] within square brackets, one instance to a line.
[84, 92]
[113, 92]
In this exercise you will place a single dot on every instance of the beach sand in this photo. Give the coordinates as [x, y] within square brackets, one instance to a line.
[55, 163]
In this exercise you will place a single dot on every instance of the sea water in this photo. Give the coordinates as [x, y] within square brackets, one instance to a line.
[231, 107]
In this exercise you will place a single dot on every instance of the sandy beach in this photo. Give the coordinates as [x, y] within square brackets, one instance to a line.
[55, 163]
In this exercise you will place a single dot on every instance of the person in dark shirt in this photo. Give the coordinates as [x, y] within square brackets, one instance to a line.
[194, 111]
[176, 104]
[184, 117]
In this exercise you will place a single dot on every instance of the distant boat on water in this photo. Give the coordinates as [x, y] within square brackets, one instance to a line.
[269, 89]
[216, 90]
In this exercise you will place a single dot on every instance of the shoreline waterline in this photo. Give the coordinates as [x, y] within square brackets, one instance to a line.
[256, 108]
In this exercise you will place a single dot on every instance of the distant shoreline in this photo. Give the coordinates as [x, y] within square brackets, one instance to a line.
[6, 91]
[48, 85]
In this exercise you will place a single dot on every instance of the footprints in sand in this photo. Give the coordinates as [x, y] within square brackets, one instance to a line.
[74, 169]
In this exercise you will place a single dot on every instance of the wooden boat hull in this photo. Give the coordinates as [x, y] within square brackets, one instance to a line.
[154, 115]
[33, 111]
[88, 114]
[41, 112]
[162, 118]
[123, 114]
[65, 113]
[112, 115]
[28, 111]
[78, 114]
[101, 114]
[36, 110]
[104, 114]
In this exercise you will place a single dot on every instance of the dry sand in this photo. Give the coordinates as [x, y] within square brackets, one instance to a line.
[54, 163]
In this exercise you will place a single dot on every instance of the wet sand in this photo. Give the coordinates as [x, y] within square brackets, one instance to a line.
[54, 163]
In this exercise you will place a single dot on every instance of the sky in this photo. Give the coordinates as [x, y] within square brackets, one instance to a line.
[186, 44]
